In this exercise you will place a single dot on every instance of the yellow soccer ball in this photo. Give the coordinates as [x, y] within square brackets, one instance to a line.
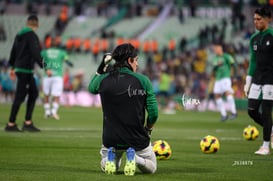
[250, 132]
[209, 144]
[162, 150]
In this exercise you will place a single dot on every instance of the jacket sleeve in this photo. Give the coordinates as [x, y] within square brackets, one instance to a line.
[252, 61]
[12, 54]
[94, 84]
[151, 103]
[36, 49]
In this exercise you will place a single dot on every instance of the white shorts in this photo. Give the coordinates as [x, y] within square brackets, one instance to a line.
[147, 154]
[264, 92]
[222, 86]
[53, 86]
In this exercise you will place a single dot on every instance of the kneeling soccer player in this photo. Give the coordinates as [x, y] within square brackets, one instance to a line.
[125, 96]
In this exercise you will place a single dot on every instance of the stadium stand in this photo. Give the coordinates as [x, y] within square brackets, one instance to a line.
[130, 27]
[82, 26]
[13, 23]
[172, 28]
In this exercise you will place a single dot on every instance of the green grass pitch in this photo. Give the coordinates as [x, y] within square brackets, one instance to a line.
[68, 149]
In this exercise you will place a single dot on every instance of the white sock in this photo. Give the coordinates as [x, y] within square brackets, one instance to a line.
[47, 108]
[221, 106]
[231, 103]
[55, 107]
[266, 144]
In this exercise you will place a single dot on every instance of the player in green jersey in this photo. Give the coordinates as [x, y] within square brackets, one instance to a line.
[259, 80]
[222, 64]
[53, 79]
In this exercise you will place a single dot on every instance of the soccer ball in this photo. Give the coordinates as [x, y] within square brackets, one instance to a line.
[162, 150]
[250, 133]
[209, 144]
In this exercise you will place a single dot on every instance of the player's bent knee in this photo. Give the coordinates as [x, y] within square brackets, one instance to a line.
[149, 168]
[102, 165]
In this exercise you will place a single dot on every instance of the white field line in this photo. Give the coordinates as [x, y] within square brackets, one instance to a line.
[65, 129]
[220, 138]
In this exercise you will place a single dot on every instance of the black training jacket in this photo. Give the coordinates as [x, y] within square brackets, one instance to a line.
[125, 96]
[25, 51]
[261, 59]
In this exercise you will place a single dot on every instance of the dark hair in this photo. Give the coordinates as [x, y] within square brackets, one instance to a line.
[124, 51]
[217, 42]
[121, 54]
[263, 11]
[32, 17]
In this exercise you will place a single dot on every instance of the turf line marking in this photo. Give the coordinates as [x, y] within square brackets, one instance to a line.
[66, 129]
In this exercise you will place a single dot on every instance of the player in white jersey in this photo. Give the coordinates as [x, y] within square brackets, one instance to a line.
[223, 63]
[53, 79]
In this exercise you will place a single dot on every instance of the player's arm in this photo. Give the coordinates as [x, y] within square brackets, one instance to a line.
[151, 107]
[251, 69]
[47, 69]
[35, 49]
[214, 67]
[234, 70]
[13, 54]
[103, 67]
[233, 65]
[12, 58]
[95, 82]
[213, 73]
[252, 65]
[66, 60]
[70, 64]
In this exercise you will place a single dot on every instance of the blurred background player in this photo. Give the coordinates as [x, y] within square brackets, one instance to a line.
[209, 94]
[22, 60]
[53, 84]
[259, 80]
[7, 83]
[166, 92]
[222, 63]
[125, 96]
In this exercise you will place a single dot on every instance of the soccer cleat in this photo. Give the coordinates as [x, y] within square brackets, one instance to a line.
[13, 128]
[224, 118]
[130, 166]
[263, 151]
[56, 116]
[30, 128]
[110, 165]
[47, 116]
[233, 116]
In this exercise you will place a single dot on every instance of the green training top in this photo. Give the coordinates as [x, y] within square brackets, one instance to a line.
[54, 59]
[222, 65]
[261, 54]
